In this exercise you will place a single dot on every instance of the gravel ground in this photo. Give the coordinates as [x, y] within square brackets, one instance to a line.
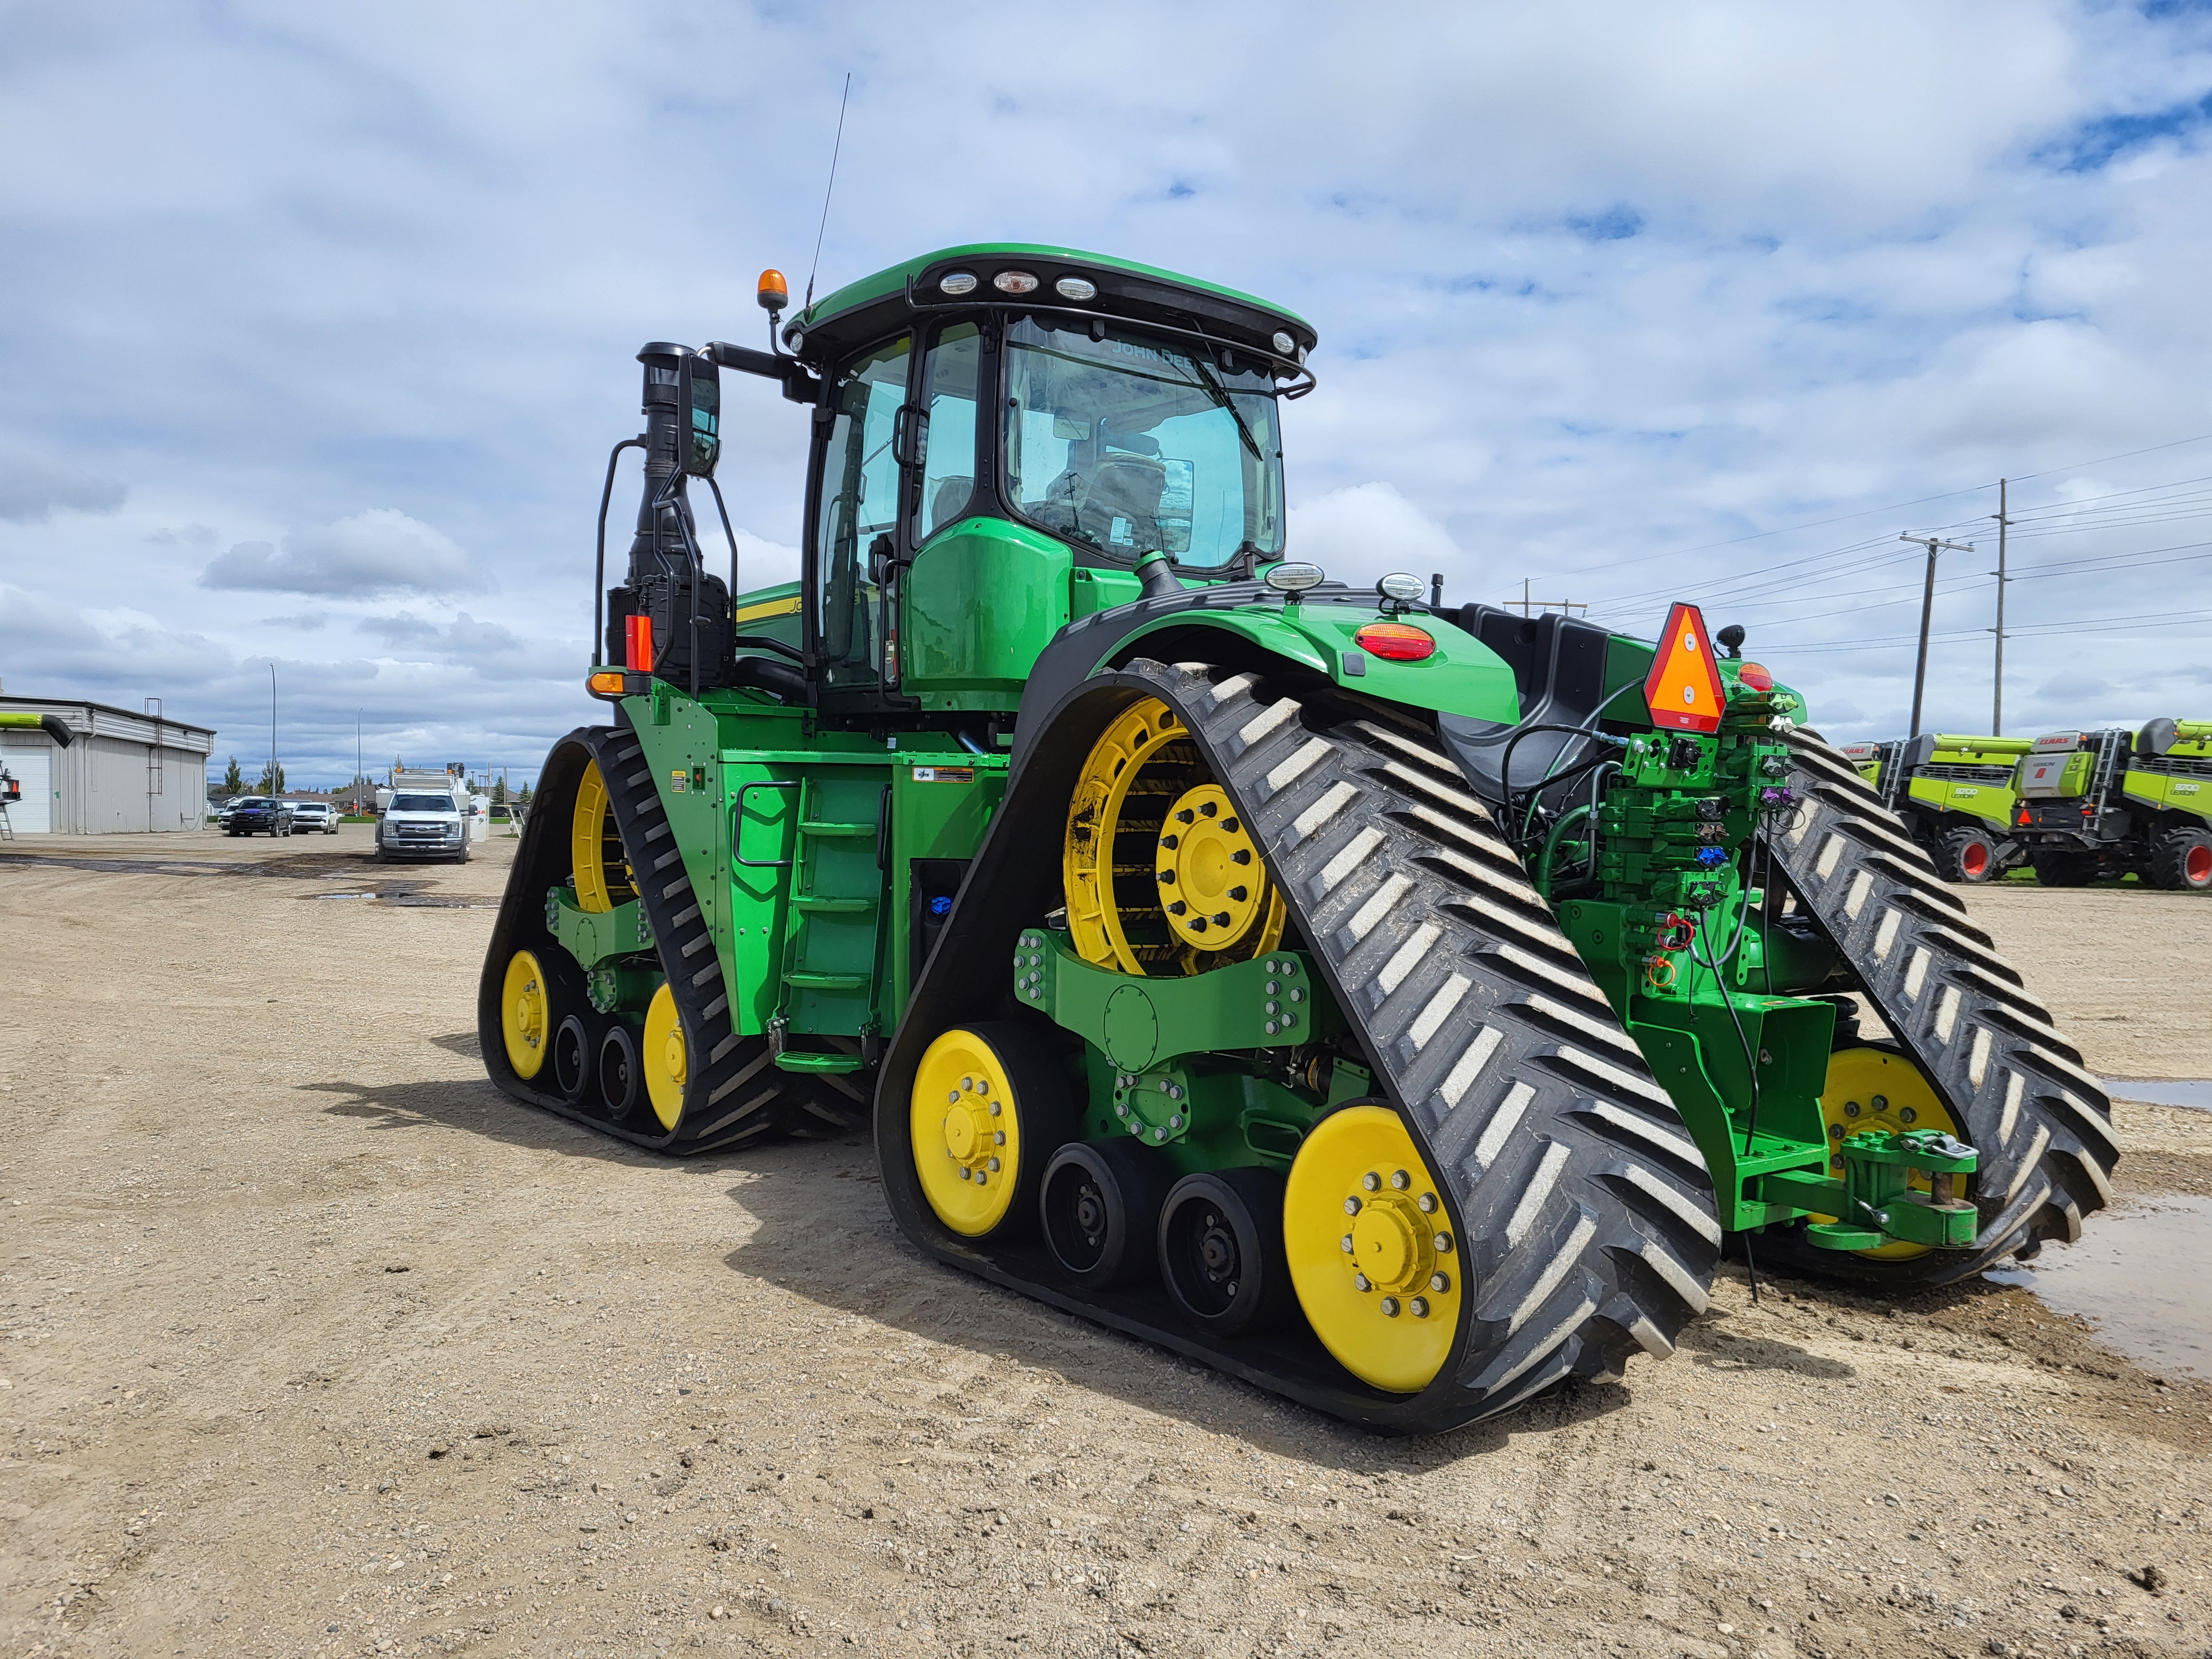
[315, 1344]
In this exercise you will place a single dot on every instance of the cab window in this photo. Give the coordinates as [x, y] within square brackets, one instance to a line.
[949, 383]
[859, 503]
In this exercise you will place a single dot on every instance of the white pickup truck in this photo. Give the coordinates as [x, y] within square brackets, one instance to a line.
[421, 821]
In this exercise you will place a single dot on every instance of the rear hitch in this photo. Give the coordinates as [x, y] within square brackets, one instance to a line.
[1874, 1203]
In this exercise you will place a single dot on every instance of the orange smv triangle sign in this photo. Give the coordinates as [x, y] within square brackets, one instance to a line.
[1684, 688]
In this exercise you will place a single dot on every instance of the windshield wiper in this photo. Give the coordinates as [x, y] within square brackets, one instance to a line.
[1221, 398]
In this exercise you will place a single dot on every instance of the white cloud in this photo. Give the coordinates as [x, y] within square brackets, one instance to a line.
[380, 551]
[406, 255]
[33, 490]
[1367, 531]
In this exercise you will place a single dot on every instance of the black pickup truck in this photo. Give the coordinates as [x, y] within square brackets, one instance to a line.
[259, 814]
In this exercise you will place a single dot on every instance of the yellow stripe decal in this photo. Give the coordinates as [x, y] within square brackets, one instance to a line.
[769, 608]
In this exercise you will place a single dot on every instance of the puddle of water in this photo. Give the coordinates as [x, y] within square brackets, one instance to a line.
[2142, 1275]
[2162, 1091]
[339, 896]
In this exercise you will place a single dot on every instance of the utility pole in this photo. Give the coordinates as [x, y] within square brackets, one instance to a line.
[1528, 607]
[1934, 545]
[1996, 705]
[273, 789]
[357, 760]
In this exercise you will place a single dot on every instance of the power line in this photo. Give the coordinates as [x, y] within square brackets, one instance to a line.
[1894, 506]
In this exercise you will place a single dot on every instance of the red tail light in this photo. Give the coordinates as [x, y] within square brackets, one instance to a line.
[638, 636]
[1395, 642]
[1754, 675]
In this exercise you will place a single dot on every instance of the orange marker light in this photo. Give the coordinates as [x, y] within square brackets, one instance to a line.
[606, 682]
[1395, 642]
[637, 636]
[1755, 675]
[1684, 688]
[775, 293]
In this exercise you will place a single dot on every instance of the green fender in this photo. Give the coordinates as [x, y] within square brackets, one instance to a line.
[1463, 676]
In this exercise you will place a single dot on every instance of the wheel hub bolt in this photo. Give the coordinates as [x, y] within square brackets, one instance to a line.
[1344, 1243]
[1352, 1206]
[994, 1164]
[1370, 1181]
[1440, 1283]
[1360, 1282]
[1419, 1307]
[995, 1109]
[1443, 1243]
[1389, 1306]
[1428, 1203]
[1401, 1179]
[998, 1137]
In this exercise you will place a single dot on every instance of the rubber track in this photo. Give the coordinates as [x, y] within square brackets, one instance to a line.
[1584, 1214]
[2042, 1123]
[737, 1095]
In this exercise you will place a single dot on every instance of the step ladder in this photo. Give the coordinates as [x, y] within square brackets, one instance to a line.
[833, 941]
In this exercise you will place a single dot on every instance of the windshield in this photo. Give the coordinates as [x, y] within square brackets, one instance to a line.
[1131, 445]
[424, 803]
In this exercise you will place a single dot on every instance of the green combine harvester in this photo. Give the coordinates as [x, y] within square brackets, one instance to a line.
[1956, 795]
[1395, 1007]
[2079, 806]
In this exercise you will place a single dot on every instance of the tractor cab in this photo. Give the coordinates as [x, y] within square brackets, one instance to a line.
[1005, 437]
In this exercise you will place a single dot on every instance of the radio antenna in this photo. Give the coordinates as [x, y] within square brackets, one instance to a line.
[827, 191]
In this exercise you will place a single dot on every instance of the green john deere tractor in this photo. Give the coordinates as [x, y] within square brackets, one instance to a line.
[1393, 1006]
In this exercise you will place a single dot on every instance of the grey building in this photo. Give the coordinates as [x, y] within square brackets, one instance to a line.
[125, 771]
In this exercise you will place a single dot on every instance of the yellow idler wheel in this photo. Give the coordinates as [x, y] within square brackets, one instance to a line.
[1878, 1087]
[1213, 882]
[666, 1067]
[525, 1014]
[1095, 812]
[595, 848]
[967, 1131]
[1371, 1252]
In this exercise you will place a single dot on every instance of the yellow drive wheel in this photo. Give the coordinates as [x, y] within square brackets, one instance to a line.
[1371, 1252]
[525, 1014]
[1120, 870]
[1878, 1087]
[967, 1131]
[666, 1065]
[595, 848]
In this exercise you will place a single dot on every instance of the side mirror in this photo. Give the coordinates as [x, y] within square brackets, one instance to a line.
[700, 403]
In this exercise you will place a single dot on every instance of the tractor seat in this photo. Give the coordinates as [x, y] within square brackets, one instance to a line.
[952, 499]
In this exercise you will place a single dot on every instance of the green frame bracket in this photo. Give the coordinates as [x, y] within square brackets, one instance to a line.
[1140, 1024]
[596, 938]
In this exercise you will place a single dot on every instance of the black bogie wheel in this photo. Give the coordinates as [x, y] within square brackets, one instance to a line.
[1100, 1204]
[1965, 855]
[573, 1050]
[1221, 1250]
[2181, 860]
[622, 1078]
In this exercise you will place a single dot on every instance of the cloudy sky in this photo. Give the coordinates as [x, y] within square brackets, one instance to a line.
[317, 322]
